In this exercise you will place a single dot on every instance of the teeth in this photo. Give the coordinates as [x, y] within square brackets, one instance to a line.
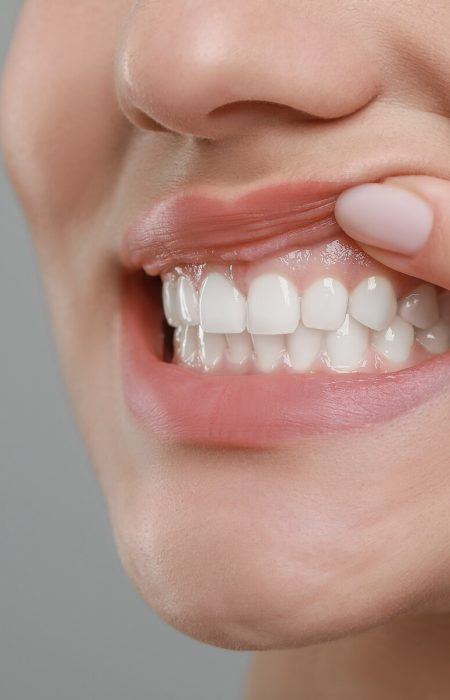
[348, 345]
[222, 306]
[436, 339]
[421, 307]
[187, 302]
[324, 305]
[240, 347]
[212, 348]
[170, 305]
[276, 327]
[444, 306]
[373, 303]
[273, 306]
[395, 342]
[186, 342]
[269, 350]
[303, 347]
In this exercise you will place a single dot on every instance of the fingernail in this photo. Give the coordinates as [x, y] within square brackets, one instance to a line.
[384, 216]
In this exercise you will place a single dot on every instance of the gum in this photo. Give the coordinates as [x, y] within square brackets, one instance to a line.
[340, 258]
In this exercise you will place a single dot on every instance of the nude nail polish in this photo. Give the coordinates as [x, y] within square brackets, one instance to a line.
[384, 216]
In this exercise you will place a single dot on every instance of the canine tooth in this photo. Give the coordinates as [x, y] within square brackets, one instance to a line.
[186, 342]
[348, 345]
[222, 306]
[435, 339]
[303, 346]
[444, 306]
[273, 305]
[420, 307]
[240, 347]
[268, 351]
[395, 342]
[212, 347]
[170, 306]
[373, 303]
[324, 305]
[187, 302]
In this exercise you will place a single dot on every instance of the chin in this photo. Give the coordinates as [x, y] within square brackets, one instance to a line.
[245, 554]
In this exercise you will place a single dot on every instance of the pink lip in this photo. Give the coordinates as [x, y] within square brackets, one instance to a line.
[193, 227]
[253, 411]
[256, 411]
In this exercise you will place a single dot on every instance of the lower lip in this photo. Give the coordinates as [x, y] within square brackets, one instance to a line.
[259, 411]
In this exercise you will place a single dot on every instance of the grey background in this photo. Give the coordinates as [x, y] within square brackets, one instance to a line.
[71, 625]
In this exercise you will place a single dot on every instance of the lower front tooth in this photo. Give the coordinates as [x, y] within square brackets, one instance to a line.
[396, 341]
[240, 347]
[303, 347]
[347, 346]
[212, 348]
[186, 343]
[269, 350]
[436, 339]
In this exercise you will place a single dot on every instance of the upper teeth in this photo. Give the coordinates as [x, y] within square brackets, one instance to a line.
[421, 307]
[324, 305]
[325, 318]
[373, 303]
[273, 306]
[188, 302]
[171, 304]
[222, 306]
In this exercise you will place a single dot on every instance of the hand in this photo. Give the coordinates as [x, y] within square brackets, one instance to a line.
[404, 222]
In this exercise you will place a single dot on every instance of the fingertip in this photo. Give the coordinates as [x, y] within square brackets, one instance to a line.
[385, 216]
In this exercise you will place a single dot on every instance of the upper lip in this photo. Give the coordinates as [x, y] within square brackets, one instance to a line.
[198, 226]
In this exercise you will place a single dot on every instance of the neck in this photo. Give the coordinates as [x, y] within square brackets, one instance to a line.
[407, 659]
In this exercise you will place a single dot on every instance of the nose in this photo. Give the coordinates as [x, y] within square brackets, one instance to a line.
[214, 68]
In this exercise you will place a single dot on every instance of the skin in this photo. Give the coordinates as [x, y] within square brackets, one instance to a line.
[106, 106]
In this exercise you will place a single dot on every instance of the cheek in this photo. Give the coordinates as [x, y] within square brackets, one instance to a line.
[282, 550]
[61, 127]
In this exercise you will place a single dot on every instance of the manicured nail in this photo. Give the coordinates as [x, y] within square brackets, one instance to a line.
[384, 216]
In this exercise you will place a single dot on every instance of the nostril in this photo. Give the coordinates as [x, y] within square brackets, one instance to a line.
[265, 110]
[216, 75]
[139, 118]
[147, 123]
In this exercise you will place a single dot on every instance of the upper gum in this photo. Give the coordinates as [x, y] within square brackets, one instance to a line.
[340, 259]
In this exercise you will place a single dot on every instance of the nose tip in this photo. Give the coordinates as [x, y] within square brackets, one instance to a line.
[212, 70]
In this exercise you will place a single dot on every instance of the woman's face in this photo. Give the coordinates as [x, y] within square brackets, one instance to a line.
[269, 492]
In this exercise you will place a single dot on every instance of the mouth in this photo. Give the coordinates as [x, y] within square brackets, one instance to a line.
[256, 322]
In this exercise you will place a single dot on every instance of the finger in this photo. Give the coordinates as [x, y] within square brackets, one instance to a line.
[404, 222]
